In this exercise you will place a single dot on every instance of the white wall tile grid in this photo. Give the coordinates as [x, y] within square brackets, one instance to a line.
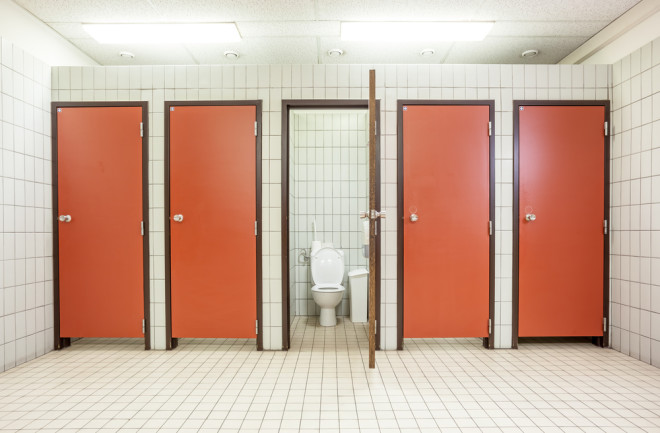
[635, 205]
[26, 259]
[272, 83]
[329, 165]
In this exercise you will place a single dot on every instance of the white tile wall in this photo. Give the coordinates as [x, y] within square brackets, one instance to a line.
[26, 271]
[329, 167]
[635, 205]
[272, 83]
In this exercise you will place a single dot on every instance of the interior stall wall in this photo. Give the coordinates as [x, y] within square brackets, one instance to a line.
[635, 205]
[272, 83]
[26, 277]
[330, 185]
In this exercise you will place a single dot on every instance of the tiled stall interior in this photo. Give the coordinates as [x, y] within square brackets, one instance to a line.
[26, 259]
[328, 168]
[272, 83]
[635, 205]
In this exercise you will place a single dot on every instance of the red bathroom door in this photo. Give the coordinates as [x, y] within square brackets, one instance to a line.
[562, 172]
[213, 249]
[99, 185]
[446, 252]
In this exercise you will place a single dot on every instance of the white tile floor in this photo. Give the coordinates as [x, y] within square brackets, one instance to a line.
[323, 385]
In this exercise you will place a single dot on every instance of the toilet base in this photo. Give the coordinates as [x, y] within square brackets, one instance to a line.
[328, 317]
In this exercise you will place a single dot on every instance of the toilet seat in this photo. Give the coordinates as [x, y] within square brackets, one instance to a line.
[328, 288]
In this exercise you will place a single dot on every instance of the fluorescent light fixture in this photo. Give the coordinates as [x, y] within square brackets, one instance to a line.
[160, 33]
[415, 31]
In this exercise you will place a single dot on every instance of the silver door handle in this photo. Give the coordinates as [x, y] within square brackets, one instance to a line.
[373, 214]
[530, 217]
[413, 217]
[65, 218]
[178, 218]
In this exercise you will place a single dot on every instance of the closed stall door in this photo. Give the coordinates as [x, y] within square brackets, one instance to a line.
[561, 220]
[212, 221]
[446, 209]
[99, 210]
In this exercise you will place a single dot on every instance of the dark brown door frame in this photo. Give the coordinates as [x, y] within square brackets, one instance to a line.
[319, 104]
[170, 342]
[64, 342]
[488, 342]
[599, 341]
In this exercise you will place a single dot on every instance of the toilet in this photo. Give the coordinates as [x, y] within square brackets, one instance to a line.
[327, 273]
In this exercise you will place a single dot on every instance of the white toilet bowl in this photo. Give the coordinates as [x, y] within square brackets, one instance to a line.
[327, 272]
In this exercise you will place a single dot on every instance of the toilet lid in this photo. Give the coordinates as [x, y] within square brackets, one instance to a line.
[328, 266]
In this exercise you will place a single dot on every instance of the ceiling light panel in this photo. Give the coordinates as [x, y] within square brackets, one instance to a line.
[161, 33]
[415, 31]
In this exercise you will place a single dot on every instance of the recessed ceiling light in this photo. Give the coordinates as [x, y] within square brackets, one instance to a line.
[415, 31]
[161, 33]
[232, 55]
[427, 52]
[335, 52]
[126, 54]
[530, 53]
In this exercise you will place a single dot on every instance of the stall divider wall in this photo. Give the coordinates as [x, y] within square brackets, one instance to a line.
[272, 84]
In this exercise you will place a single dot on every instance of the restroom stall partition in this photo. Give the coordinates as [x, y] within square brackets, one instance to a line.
[287, 107]
[213, 220]
[446, 220]
[561, 220]
[100, 220]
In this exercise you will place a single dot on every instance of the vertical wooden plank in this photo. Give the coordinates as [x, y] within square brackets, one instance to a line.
[372, 219]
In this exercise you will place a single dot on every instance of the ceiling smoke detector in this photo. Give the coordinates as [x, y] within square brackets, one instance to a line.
[231, 54]
[530, 53]
[126, 54]
[427, 52]
[335, 52]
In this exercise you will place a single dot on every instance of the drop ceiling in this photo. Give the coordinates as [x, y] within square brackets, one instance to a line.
[302, 31]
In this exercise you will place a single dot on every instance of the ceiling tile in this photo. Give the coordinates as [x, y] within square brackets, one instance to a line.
[91, 11]
[396, 10]
[259, 50]
[235, 10]
[552, 10]
[288, 28]
[546, 28]
[144, 54]
[384, 52]
[507, 50]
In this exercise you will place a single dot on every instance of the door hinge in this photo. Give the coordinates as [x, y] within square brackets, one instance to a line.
[376, 127]
[605, 227]
[604, 324]
[256, 327]
[141, 129]
[256, 128]
[490, 228]
[490, 326]
[142, 228]
[256, 228]
[143, 324]
[607, 129]
[490, 128]
[375, 326]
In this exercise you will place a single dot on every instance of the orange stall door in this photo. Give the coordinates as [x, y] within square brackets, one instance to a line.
[446, 251]
[213, 247]
[562, 163]
[99, 185]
